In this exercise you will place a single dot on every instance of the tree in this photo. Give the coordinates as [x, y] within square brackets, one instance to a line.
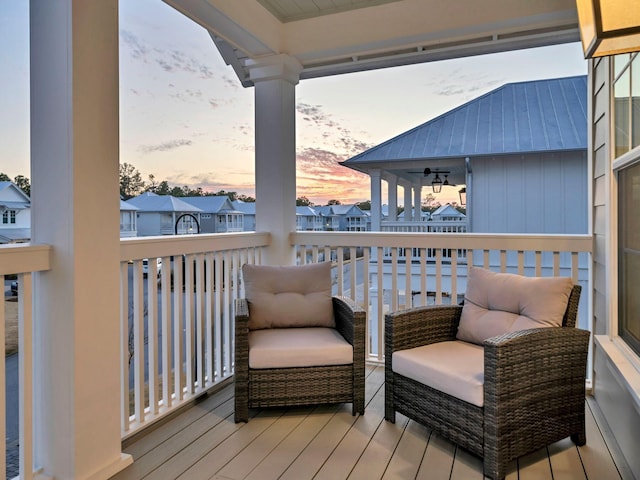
[246, 199]
[303, 202]
[429, 204]
[334, 202]
[131, 183]
[4, 177]
[23, 184]
[366, 205]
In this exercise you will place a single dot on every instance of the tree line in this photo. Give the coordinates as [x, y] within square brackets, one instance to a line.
[21, 182]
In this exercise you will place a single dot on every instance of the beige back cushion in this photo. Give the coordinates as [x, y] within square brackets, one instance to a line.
[497, 303]
[291, 296]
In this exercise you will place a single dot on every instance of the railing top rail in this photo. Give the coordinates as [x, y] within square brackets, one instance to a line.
[24, 257]
[482, 241]
[136, 248]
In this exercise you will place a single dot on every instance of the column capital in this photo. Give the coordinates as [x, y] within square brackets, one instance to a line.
[274, 67]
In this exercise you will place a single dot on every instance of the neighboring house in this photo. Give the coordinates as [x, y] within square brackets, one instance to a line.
[164, 215]
[520, 151]
[128, 220]
[344, 218]
[248, 210]
[15, 214]
[307, 219]
[218, 214]
[447, 219]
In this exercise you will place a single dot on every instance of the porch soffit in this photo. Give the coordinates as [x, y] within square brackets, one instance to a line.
[330, 39]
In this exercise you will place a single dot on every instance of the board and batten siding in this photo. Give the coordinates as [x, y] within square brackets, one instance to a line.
[531, 193]
[610, 384]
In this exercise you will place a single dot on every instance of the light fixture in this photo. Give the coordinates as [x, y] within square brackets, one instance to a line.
[608, 27]
[436, 183]
[463, 196]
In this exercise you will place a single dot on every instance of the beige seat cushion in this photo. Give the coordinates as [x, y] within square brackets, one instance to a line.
[498, 303]
[298, 347]
[289, 296]
[455, 368]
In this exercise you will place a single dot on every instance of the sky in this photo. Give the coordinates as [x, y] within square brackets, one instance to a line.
[185, 117]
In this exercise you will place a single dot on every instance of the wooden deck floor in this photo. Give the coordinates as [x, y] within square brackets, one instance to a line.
[326, 442]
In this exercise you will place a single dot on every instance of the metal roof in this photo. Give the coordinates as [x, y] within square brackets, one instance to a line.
[150, 202]
[212, 203]
[248, 208]
[533, 116]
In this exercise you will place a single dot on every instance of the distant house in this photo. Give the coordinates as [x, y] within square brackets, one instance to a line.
[344, 218]
[520, 151]
[164, 215]
[447, 219]
[218, 214]
[128, 220]
[15, 210]
[307, 219]
[248, 210]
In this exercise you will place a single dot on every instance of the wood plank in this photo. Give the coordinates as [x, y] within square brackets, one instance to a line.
[216, 458]
[565, 461]
[320, 448]
[438, 459]
[377, 454]
[467, 466]
[533, 466]
[176, 443]
[248, 459]
[194, 451]
[346, 454]
[406, 458]
[154, 438]
[596, 458]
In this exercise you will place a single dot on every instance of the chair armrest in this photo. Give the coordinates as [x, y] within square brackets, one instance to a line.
[532, 363]
[241, 334]
[419, 326]
[350, 319]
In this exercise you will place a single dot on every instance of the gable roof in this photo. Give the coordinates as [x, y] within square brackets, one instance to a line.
[306, 211]
[211, 203]
[13, 196]
[127, 207]
[534, 116]
[448, 210]
[248, 208]
[151, 202]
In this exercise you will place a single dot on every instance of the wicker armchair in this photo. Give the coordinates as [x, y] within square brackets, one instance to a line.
[302, 385]
[534, 385]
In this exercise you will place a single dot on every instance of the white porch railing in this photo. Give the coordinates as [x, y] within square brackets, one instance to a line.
[177, 323]
[458, 226]
[371, 269]
[21, 260]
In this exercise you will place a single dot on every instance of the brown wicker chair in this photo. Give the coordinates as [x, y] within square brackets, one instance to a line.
[534, 385]
[303, 385]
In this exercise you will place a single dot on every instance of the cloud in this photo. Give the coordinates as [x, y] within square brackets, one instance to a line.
[165, 146]
[135, 45]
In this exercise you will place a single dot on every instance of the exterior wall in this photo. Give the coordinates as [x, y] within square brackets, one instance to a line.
[207, 223]
[148, 224]
[541, 193]
[616, 368]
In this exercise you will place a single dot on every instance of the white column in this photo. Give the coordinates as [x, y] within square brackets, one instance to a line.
[275, 78]
[376, 199]
[75, 208]
[407, 202]
[393, 198]
[417, 201]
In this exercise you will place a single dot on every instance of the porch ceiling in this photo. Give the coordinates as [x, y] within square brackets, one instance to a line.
[341, 36]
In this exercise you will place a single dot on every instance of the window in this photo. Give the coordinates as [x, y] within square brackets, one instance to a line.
[9, 216]
[626, 115]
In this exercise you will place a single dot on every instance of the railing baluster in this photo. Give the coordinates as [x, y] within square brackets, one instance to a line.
[25, 367]
[3, 393]
[178, 285]
[168, 279]
[217, 329]
[124, 345]
[136, 343]
[394, 280]
[189, 324]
